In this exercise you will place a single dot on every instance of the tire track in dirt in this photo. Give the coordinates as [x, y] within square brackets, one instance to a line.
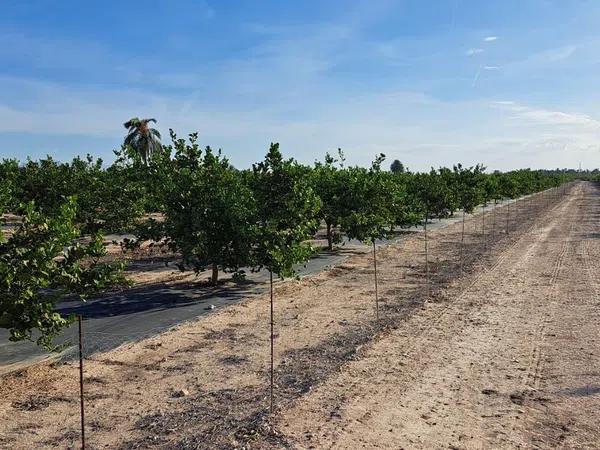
[478, 278]
[431, 327]
[359, 412]
[449, 301]
[561, 407]
[529, 382]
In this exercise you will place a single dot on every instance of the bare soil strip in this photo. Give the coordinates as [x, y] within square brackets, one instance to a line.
[512, 362]
[466, 369]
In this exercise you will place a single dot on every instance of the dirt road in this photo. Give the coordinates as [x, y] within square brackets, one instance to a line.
[511, 362]
[503, 356]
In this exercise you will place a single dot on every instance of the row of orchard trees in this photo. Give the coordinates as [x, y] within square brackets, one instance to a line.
[214, 216]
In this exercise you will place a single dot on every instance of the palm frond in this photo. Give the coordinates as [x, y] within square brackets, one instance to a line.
[131, 139]
[131, 123]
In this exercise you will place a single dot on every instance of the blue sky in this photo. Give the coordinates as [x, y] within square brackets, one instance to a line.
[504, 83]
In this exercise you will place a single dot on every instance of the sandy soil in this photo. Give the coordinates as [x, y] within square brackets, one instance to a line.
[500, 357]
[511, 362]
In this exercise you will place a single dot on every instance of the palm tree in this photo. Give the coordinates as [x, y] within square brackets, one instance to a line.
[143, 139]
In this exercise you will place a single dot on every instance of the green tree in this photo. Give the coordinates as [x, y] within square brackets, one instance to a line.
[45, 182]
[41, 264]
[208, 211]
[366, 199]
[286, 213]
[286, 216]
[329, 186]
[370, 213]
[431, 190]
[508, 189]
[110, 200]
[404, 206]
[9, 173]
[397, 167]
[469, 192]
[492, 192]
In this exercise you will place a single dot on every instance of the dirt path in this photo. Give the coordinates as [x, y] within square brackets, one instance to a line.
[459, 370]
[511, 362]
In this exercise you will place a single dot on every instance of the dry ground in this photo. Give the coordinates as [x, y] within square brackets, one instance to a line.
[503, 356]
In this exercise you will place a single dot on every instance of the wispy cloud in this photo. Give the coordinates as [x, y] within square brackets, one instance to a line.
[341, 81]
[554, 54]
[479, 70]
[543, 116]
[474, 51]
[401, 124]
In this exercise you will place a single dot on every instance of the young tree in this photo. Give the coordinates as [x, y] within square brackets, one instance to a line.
[208, 211]
[41, 264]
[431, 190]
[402, 203]
[468, 188]
[286, 216]
[329, 186]
[508, 189]
[370, 215]
[450, 201]
[492, 192]
[366, 199]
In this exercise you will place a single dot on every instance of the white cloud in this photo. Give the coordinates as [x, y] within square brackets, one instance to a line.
[474, 51]
[416, 128]
[285, 88]
[553, 55]
[541, 116]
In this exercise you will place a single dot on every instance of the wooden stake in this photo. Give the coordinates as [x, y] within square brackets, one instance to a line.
[426, 258]
[462, 240]
[272, 339]
[79, 319]
[376, 293]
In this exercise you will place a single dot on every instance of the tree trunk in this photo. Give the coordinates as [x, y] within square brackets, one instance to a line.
[329, 237]
[214, 278]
